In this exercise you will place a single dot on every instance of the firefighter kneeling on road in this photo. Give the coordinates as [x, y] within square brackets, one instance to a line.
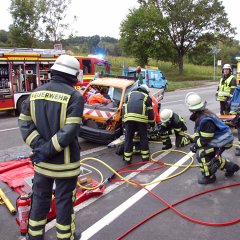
[212, 137]
[172, 122]
[137, 115]
[49, 122]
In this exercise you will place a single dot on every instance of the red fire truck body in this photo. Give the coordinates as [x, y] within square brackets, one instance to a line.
[23, 70]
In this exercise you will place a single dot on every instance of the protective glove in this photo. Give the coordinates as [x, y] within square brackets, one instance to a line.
[194, 148]
[37, 156]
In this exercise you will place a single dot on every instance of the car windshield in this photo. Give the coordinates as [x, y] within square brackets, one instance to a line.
[156, 75]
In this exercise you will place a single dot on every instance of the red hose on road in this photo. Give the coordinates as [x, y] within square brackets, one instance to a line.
[171, 206]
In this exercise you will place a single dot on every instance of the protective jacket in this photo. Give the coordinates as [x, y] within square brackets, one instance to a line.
[176, 123]
[212, 132]
[50, 122]
[226, 88]
[235, 101]
[138, 107]
[98, 98]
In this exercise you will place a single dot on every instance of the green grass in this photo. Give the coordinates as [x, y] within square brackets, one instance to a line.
[193, 76]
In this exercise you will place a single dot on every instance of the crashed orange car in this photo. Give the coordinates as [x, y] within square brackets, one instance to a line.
[102, 123]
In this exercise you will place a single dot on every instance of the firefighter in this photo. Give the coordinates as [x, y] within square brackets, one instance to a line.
[173, 123]
[139, 75]
[49, 123]
[235, 110]
[137, 114]
[225, 89]
[212, 137]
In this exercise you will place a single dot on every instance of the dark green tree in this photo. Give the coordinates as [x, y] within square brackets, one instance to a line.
[187, 21]
[26, 15]
[93, 43]
[4, 36]
[140, 33]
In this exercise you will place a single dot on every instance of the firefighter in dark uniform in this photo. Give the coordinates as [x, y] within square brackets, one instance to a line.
[49, 123]
[225, 89]
[173, 123]
[137, 115]
[212, 137]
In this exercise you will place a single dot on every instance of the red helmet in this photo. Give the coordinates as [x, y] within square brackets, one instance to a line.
[138, 69]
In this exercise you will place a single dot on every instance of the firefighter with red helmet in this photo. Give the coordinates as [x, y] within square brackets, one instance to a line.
[173, 122]
[212, 138]
[137, 115]
[225, 89]
[139, 75]
[49, 123]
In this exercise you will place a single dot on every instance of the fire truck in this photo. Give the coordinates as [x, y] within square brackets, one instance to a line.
[22, 70]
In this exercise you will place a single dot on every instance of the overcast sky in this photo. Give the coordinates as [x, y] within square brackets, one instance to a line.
[103, 17]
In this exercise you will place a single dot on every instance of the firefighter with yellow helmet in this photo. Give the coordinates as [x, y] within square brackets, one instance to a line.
[225, 89]
[212, 137]
[171, 123]
[49, 123]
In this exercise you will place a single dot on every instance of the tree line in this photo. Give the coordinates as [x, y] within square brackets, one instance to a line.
[167, 30]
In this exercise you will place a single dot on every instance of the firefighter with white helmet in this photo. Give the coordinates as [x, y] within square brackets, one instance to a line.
[212, 137]
[137, 115]
[225, 89]
[49, 123]
[173, 123]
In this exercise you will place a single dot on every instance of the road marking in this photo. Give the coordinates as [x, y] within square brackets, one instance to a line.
[110, 217]
[9, 129]
[93, 150]
[109, 189]
[172, 102]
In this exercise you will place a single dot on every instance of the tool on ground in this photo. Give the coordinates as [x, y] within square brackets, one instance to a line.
[4, 200]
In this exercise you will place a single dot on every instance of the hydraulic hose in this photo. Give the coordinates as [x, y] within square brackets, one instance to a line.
[171, 206]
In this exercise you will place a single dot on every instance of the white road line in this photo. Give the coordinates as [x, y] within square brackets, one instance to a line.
[93, 150]
[109, 189]
[110, 217]
[172, 102]
[9, 129]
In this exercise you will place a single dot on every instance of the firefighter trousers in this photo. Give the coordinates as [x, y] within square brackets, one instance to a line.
[65, 195]
[209, 164]
[181, 139]
[130, 128]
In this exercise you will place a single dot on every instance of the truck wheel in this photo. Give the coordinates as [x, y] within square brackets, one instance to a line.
[19, 103]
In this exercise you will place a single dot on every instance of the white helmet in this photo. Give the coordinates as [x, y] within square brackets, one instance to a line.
[165, 115]
[227, 66]
[194, 102]
[145, 88]
[67, 64]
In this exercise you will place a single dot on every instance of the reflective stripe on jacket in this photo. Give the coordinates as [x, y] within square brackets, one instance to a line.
[138, 107]
[225, 89]
[222, 135]
[49, 121]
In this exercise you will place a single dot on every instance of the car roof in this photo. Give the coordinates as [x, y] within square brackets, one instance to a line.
[113, 82]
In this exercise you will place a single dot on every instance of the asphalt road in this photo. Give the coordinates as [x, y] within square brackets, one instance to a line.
[122, 205]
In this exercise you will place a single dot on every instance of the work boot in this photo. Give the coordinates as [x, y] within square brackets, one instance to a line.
[206, 180]
[127, 162]
[237, 153]
[77, 235]
[234, 169]
[166, 147]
